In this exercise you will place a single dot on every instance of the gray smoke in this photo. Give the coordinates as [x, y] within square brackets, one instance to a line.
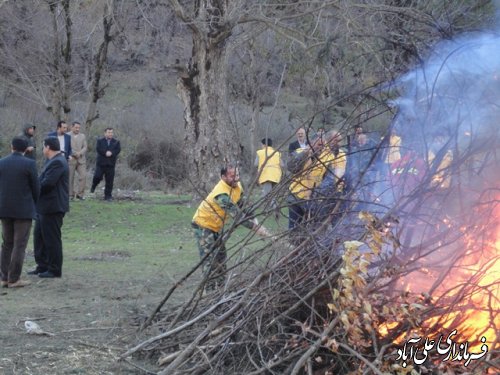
[455, 93]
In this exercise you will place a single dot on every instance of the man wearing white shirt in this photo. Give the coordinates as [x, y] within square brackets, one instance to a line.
[64, 139]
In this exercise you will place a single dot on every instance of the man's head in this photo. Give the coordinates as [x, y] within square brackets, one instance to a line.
[301, 135]
[19, 144]
[29, 129]
[358, 129]
[230, 175]
[267, 142]
[362, 139]
[333, 138]
[76, 127]
[62, 128]
[316, 144]
[51, 146]
[321, 131]
[108, 133]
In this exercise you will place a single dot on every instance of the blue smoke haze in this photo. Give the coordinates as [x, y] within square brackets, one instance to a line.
[456, 93]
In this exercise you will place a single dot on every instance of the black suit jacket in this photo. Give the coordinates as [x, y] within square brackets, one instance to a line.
[54, 186]
[67, 144]
[19, 187]
[101, 148]
[292, 147]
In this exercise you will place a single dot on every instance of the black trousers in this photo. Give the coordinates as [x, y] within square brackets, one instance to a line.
[109, 176]
[15, 234]
[48, 243]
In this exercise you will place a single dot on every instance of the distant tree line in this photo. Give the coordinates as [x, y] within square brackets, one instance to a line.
[238, 64]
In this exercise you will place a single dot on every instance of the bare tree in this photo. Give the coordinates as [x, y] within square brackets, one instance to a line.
[217, 27]
[97, 64]
[45, 65]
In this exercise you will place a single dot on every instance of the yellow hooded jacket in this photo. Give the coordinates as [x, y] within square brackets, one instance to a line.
[394, 153]
[209, 214]
[269, 165]
[313, 172]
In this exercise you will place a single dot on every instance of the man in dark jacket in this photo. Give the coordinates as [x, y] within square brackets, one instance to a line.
[64, 139]
[18, 194]
[51, 207]
[301, 141]
[107, 149]
[28, 134]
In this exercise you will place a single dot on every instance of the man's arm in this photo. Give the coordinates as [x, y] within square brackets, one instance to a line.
[83, 151]
[101, 147]
[51, 175]
[67, 139]
[35, 184]
[340, 164]
[230, 208]
[117, 148]
[233, 210]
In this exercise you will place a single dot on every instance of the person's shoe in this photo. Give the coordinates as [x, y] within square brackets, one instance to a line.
[108, 199]
[80, 197]
[19, 284]
[4, 284]
[35, 271]
[92, 189]
[47, 275]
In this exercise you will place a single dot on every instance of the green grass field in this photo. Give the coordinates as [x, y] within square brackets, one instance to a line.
[150, 235]
[120, 258]
[140, 237]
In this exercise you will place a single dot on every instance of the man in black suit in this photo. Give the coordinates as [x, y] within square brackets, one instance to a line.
[51, 208]
[301, 141]
[107, 149]
[64, 139]
[19, 191]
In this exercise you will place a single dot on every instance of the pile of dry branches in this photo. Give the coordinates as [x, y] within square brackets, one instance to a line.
[347, 294]
[307, 309]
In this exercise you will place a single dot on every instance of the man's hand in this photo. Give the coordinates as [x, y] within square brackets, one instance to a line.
[262, 231]
[108, 153]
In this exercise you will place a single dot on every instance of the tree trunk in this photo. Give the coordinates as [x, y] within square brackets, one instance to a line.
[61, 64]
[99, 62]
[254, 125]
[210, 139]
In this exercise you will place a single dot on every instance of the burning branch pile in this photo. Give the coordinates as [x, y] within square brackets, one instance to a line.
[345, 308]
[401, 275]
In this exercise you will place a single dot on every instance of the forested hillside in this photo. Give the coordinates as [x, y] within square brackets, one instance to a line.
[237, 70]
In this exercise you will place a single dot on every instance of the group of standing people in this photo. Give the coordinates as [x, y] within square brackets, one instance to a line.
[317, 176]
[322, 175]
[26, 196]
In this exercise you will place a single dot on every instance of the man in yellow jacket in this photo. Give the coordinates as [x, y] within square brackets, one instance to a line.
[269, 164]
[394, 150]
[208, 222]
[309, 167]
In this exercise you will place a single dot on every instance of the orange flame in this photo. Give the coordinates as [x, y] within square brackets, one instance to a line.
[471, 291]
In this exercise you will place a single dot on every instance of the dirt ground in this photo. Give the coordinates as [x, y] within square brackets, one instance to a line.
[89, 322]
